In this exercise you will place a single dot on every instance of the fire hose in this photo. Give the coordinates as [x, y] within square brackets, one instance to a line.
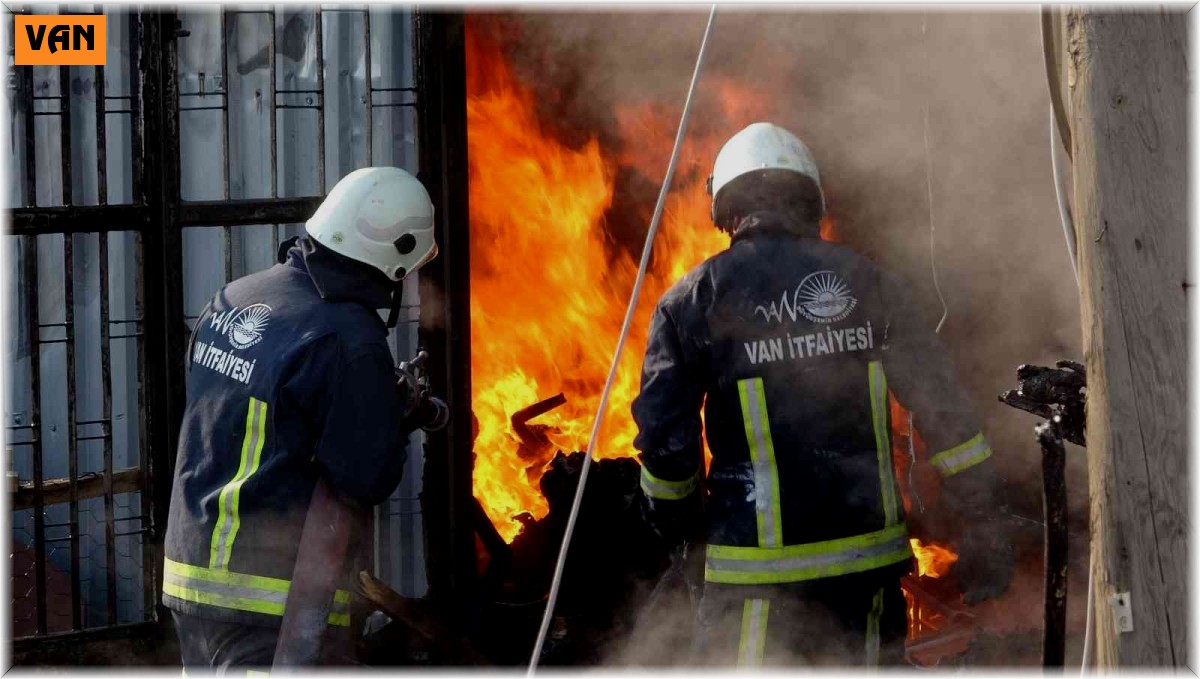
[612, 371]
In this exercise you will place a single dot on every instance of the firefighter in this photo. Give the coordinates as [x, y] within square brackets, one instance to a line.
[790, 345]
[290, 379]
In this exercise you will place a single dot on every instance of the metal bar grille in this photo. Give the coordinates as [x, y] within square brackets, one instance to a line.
[102, 381]
[67, 392]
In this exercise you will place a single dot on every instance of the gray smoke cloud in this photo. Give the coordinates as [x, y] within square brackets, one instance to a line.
[854, 85]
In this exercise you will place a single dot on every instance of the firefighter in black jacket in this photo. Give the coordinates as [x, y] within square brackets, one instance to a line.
[790, 344]
[289, 379]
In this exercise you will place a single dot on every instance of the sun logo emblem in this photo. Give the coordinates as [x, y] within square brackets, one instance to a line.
[824, 297]
[247, 327]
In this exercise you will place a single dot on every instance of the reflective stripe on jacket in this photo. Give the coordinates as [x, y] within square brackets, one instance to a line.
[790, 345]
[283, 386]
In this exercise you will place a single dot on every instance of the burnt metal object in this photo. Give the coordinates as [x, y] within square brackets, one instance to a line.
[1054, 503]
[1060, 392]
[1060, 395]
[534, 442]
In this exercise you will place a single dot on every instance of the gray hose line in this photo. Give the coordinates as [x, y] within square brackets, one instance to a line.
[1064, 212]
[612, 371]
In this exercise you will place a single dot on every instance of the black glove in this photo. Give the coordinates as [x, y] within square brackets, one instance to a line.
[985, 562]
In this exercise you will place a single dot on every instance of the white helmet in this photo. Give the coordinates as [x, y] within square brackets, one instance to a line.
[761, 146]
[380, 216]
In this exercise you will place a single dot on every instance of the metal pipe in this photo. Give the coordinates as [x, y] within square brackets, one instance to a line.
[1054, 506]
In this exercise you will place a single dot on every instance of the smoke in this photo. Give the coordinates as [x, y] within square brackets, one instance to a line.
[855, 86]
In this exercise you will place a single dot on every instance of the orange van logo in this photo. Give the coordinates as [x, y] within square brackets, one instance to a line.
[60, 40]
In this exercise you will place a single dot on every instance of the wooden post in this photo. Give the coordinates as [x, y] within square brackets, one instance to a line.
[1127, 80]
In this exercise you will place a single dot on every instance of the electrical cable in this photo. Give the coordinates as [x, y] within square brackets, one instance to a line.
[1060, 133]
[612, 372]
[929, 192]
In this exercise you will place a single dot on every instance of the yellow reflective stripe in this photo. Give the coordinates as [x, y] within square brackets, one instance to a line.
[883, 444]
[768, 514]
[661, 489]
[260, 437]
[257, 673]
[221, 600]
[228, 520]
[239, 591]
[753, 641]
[963, 456]
[873, 617]
[795, 563]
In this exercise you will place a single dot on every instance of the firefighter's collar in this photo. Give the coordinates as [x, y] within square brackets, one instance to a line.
[339, 279]
[767, 222]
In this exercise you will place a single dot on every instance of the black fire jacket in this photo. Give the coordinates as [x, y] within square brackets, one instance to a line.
[790, 344]
[289, 378]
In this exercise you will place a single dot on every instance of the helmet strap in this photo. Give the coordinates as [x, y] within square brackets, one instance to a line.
[394, 309]
[287, 244]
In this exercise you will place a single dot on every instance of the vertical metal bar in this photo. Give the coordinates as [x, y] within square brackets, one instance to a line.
[320, 102]
[164, 317]
[30, 246]
[72, 434]
[226, 231]
[442, 126]
[101, 134]
[110, 522]
[64, 126]
[370, 136]
[26, 76]
[274, 113]
[137, 68]
[136, 123]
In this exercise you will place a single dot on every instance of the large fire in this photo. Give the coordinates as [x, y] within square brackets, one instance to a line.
[933, 560]
[549, 283]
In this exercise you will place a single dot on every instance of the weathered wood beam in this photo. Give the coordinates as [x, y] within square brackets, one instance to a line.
[1128, 82]
[56, 491]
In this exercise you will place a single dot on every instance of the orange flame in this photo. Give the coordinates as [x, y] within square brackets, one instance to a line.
[933, 560]
[549, 281]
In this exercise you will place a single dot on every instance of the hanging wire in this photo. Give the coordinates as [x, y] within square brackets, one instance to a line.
[612, 371]
[929, 189]
[1060, 133]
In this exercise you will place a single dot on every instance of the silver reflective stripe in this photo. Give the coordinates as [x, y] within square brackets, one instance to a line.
[762, 457]
[660, 489]
[848, 557]
[226, 589]
[962, 457]
[754, 632]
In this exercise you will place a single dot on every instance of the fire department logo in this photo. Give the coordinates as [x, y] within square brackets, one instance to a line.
[246, 328]
[822, 297]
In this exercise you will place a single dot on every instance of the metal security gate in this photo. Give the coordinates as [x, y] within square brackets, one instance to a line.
[140, 188]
